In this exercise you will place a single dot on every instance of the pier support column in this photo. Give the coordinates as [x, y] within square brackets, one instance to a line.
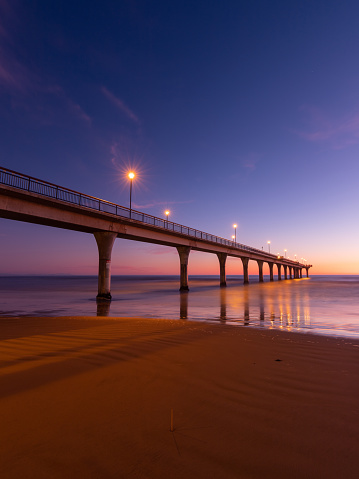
[105, 241]
[222, 257]
[307, 270]
[245, 270]
[260, 268]
[279, 272]
[285, 272]
[271, 271]
[300, 273]
[183, 252]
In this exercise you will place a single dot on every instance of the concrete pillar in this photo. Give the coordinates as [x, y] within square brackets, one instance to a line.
[183, 252]
[307, 270]
[279, 272]
[300, 273]
[285, 272]
[105, 241]
[271, 271]
[245, 270]
[260, 268]
[222, 268]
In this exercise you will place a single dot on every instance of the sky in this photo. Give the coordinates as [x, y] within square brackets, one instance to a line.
[228, 111]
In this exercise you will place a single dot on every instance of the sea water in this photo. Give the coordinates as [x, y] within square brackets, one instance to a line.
[320, 304]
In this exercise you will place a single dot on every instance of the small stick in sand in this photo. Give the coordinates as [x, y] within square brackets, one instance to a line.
[171, 420]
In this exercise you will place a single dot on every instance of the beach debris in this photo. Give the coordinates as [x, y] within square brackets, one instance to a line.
[278, 360]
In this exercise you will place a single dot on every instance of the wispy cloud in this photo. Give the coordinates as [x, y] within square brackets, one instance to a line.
[120, 105]
[338, 133]
[13, 75]
[74, 108]
[250, 161]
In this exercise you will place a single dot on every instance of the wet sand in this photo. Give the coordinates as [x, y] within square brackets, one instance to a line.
[92, 398]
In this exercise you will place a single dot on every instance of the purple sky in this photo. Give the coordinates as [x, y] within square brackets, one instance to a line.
[230, 112]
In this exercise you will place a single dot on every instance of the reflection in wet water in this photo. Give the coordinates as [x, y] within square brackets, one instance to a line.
[282, 307]
[103, 307]
[183, 304]
[324, 304]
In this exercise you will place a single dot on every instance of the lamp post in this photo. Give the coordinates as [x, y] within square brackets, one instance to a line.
[233, 237]
[131, 176]
[268, 242]
[235, 233]
[285, 253]
[167, 213]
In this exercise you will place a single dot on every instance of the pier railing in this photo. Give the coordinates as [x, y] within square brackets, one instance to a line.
[50, 190]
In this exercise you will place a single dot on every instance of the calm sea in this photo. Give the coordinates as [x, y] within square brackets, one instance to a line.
[319, 304]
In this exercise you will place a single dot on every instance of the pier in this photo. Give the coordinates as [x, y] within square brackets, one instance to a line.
[28, 199]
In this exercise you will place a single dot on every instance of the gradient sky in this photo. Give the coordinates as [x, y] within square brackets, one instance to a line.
[240, 112]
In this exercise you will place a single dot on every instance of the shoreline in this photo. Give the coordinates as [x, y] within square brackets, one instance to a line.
[91, 397]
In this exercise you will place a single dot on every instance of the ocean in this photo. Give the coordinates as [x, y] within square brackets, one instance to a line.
[326, 305]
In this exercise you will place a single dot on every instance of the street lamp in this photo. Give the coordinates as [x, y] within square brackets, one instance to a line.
[131, 176]
[285, 253]
[268, 242]
[167, 213]
[233, 237]
[235, 233]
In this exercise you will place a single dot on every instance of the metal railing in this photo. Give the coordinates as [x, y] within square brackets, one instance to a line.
[50, 190]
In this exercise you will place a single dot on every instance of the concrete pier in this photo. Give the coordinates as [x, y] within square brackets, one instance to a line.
[222, 257]
[245, 262]
[260, 270]
[56, 206]
[183, 252]
[105, 241]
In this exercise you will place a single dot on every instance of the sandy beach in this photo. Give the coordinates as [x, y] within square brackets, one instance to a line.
[92, 398]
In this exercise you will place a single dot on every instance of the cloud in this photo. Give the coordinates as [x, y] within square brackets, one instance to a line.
[250, 161]
[72, 107]
[13, 75]
[338, 133]
[120, 105]
[78, 111]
